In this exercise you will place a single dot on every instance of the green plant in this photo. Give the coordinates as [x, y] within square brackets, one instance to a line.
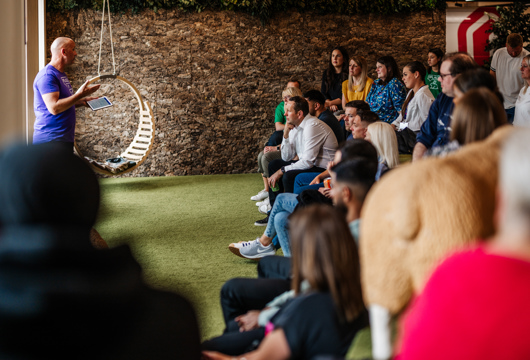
[263, 9]
[512, 20]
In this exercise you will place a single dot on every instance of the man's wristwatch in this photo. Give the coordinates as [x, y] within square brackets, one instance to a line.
[283, 169]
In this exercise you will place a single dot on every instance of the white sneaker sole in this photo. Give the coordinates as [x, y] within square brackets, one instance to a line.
[260, 197]
[258, 256]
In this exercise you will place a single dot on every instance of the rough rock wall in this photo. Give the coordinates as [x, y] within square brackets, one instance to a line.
[214, 79]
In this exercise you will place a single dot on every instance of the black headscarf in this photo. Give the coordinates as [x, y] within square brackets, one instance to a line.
[59, 297]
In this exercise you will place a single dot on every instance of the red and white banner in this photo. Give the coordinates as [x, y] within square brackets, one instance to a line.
[466, 30]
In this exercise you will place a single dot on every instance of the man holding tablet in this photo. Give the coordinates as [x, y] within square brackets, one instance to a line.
[55, 100]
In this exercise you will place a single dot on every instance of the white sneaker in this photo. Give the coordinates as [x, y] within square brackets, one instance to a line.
[262, 195]
[254, 250]
[264, 202]
[235, 247]
[264, 209]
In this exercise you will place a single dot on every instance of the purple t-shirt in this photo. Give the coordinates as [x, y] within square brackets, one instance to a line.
[49, 127]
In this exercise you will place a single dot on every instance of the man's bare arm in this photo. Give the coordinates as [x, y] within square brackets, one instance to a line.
[419, 151]
[57, 106]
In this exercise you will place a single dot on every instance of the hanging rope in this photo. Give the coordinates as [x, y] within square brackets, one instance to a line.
[101, 38]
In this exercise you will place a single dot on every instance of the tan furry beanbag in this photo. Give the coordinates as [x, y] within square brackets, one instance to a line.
[420, 212]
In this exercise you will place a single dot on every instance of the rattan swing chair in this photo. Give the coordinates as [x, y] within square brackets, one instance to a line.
[141, 145]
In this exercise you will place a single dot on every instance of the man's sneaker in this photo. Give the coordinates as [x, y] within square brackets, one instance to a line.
[262, 222]
[254, 250]
[264, 209]
[262, 195]
[264, 202]
[234, 247]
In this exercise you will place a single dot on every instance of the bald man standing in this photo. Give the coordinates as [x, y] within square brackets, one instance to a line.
[55, 100]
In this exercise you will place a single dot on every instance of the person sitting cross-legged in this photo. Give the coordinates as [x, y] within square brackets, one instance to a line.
[286, 203]
[271, 151]
[305, 137]
[359, 124]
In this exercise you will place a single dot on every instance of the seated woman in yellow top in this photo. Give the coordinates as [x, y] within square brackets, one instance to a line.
[358, 84]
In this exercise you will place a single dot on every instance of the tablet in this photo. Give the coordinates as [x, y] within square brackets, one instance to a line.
[100, 103]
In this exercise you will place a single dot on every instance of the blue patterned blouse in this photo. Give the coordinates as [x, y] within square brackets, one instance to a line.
[387, 100]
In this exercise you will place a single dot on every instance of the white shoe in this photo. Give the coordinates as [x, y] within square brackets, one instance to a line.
[264, 209]
[262, 195]
[264, 202]
[255, 250]
[235, 247]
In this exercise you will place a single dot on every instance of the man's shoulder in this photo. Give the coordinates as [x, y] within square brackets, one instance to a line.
[310, 120]
[326, 115]
[440, 104]
[500, 51]
[48, 72]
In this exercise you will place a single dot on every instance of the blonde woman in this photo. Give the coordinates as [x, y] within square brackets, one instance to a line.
[383, 137]
[522, 105]
[358, 84]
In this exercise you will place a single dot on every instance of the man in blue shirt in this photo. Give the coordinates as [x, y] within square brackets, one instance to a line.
[55, 100]
[436, 130]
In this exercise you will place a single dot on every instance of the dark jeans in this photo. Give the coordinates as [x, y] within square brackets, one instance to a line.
[275, 267]
[240, 295]
[510, 113]
[287, 182]
[235, 343]
[275, 139]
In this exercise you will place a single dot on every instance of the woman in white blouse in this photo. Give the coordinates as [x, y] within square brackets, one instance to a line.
[522, 105]
[419, 99]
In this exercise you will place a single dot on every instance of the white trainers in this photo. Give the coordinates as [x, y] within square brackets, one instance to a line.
[255, 250]
[234, 247]
[264, 209]
[264, 202]
[262, 195]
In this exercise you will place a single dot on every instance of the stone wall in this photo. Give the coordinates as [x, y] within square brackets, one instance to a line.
[214, 79]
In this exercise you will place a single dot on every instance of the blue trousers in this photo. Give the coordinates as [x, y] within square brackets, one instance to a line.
[278, 220]
[510, 113]
[302, 181]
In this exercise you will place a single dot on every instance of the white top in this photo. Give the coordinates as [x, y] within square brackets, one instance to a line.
[508, 73]
[522, 109]
[314, 143]
[417, 109]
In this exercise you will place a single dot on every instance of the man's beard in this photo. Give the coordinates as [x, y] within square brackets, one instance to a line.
[342, 209]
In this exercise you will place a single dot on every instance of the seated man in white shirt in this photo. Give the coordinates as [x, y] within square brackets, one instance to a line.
[304, 137]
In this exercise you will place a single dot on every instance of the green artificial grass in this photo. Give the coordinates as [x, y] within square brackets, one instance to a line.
[179, 229]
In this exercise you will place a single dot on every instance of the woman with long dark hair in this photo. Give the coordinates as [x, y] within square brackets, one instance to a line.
[333, 77]
[415, 109]
[387, 94]
[434, 60]
[328, 308]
